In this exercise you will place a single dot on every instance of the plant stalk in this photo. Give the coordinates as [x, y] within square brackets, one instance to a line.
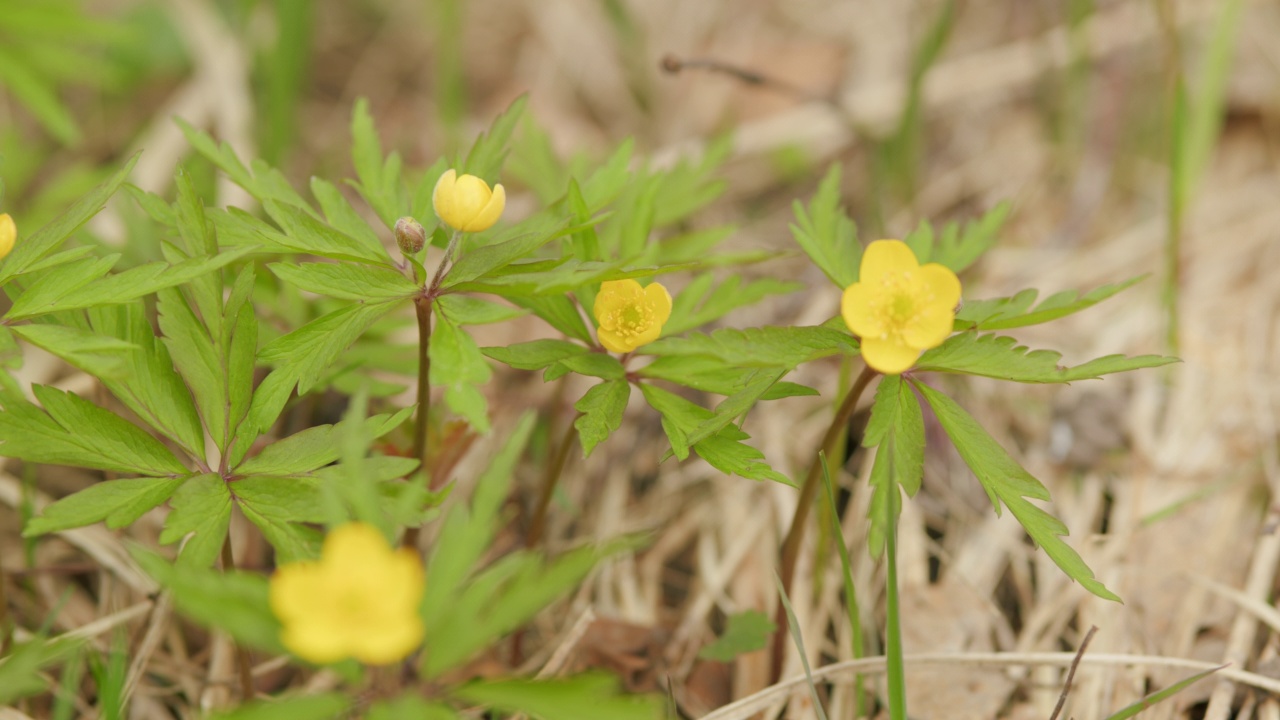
[243, 661]
[550, 478]
[808, 492]
[422, 420]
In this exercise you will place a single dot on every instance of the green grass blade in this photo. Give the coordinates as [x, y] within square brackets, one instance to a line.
[1162, 695]
[795, 635]
[893, 621]
[850, 596]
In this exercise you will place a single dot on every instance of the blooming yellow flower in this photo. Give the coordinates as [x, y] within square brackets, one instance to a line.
[899, 308]
[466, 203]
[629, 315]
[8, 234]
[359, 600]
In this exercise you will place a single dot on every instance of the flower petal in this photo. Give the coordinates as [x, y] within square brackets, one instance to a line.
[855, 307]
[883, 257]
[383, 643]
[294, 587]
[941, 284]
[8, 234]
[315, 641]
[442, 196]
[613, 342]
[660, 300]
[492, 210]
[890, 357]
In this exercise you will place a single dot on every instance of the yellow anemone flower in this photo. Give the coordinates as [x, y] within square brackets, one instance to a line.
[8, 234]
[630, 315]
[360, 599]
[466, 203]
[899, 308]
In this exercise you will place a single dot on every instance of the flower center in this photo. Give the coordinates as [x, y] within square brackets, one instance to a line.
[631, 319]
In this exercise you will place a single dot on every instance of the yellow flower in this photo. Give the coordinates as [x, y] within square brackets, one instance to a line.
[466, 203]
[8, 234]
[629, 315]
[359, 600]
[899, 308]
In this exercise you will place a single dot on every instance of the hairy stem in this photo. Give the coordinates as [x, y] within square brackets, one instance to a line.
[808, 492]
[422, 419]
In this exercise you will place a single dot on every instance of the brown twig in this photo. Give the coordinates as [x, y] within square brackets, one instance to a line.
[550, 478]
[674, 64]
[1071, 672]
[808, 491]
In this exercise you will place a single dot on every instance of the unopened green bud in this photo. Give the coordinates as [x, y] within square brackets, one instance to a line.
[410, 235]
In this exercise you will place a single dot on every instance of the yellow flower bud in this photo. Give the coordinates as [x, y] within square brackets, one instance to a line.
[630, 315]
[8, 234]
[466, 203]
[360, 599]
[899, 308]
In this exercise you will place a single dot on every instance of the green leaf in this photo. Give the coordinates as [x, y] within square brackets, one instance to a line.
[826, 233]
[726, 452]
[325, 706]
[679, 416]
[21, 672]
[596, 364]
[736, 405]
[87, 351]
[510, 245]
[458, 365]
[896, 428]
[72, 431]
[559, 311]
[306, 353]
[347, 281]
[304, 233]
[955, 248]
[119, 502]
[463, 310]
[759, 347]
[490, 149]
[536, 354]
[501, 599]
[45, 295]
[38, 94]
[1002, 358]
[601, 407]
[746, 632]
[138, 282]
[1005, 313]
[699, 303]
[232, 601]
[1158, 697]
[201, 506]
[47, 239]
[150, 387]
[342, 216]
[586, 697]
[276, 505]
[379, 179]
[1007, 482]
[314, 447]
[198, 359]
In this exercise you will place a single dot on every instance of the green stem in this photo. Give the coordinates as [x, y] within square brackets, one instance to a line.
[550, 478]
[422, 306]
[893, 621]
[808, 492]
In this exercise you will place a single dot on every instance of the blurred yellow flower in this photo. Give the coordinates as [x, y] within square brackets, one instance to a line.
[359, 600]
[466, 203]
[8, 234]
[899, 308]
[630, 315]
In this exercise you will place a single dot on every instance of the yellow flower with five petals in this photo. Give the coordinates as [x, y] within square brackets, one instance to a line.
[8, 234]
[629, 315]
[360, 599]
[899, 308]
[465, 202]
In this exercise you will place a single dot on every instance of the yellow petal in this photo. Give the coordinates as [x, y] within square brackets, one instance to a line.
[386, 642]
[8, 234]
[941, 284]
[928, 327]
[354, 549]
[319, 643]
[442, 197]
[614, 294]
[471, 194]
[660, 299]
[890, 357]
[294, 588]
[492, 210]
[883, 257]
[855, 307]
[613, 342]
